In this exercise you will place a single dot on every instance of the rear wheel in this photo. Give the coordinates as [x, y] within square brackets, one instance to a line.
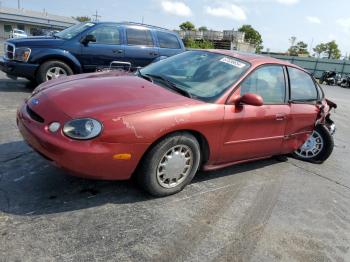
[170, 165]
[52, 69]
[318, 147]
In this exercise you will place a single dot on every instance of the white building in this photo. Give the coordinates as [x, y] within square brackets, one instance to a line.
[30, 21]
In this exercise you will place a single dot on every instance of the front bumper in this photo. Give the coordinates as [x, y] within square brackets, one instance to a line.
[332, 129]
[18, 69]
[89, 159]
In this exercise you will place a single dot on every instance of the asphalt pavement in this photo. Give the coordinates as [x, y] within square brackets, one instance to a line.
[260, 211]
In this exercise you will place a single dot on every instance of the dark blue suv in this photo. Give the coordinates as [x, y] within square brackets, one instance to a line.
[85, 47]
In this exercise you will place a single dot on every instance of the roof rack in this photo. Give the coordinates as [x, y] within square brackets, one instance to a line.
[141, 24]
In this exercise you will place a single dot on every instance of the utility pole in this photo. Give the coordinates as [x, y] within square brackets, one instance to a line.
[19, 4]
[97, 16]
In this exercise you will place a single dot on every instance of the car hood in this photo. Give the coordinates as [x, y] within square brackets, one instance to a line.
[107, 95]
[37, 41]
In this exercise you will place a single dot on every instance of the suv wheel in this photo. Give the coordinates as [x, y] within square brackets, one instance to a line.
[170, 165]
[52, 70]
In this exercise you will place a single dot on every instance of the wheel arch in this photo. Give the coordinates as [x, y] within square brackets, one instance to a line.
[71, 61]
[202, 140]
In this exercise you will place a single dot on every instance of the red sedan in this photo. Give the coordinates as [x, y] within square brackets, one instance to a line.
[198, 109]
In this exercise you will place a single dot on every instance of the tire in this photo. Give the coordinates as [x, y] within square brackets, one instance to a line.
[51, 64]
[149, 174]
[321, 134]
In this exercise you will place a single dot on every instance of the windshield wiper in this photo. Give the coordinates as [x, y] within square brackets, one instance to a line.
[170, 84]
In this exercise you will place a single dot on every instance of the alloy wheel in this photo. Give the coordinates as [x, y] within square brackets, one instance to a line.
[55, 72]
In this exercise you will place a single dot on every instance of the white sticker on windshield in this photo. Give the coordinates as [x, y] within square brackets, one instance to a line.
[232, 62]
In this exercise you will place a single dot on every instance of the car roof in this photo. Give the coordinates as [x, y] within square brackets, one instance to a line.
[254, 59]
[136, 24]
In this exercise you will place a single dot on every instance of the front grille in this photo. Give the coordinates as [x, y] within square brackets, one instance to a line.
[9, 50]
[34, 115]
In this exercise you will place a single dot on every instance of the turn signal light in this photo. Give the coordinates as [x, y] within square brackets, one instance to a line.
[122, 156]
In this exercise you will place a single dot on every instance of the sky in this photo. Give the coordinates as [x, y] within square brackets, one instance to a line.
[311, 21]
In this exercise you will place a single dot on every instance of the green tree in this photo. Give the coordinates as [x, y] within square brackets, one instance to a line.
[333, 51]
[252, 36]
[302, 48]
[187, 26]
[203, 28]
[320, 49]
[299, 49]
[82, 18]
[329, 50]
[198, 44]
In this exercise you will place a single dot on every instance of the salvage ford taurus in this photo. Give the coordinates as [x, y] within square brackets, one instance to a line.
[198, 109]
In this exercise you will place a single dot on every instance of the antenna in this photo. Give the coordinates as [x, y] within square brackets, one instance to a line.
[97, 16]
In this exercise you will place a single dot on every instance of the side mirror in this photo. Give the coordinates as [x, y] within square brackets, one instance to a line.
[248, 99]
[88, 38]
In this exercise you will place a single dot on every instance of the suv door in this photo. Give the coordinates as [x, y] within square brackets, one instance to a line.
[304, 108]
[253, 132]
[140, 48]
[106, 49]
[169, 44]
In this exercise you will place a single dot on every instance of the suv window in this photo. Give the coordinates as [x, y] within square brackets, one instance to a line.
[302, 86]
[167, 40]
[108, 35]
[137, 36]
[268, 82]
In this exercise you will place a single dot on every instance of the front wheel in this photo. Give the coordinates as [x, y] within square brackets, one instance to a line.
[169, 165]
[318, 147]
[52, 69]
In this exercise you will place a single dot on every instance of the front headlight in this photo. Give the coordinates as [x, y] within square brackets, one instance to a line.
[82, 129]
[22, 54]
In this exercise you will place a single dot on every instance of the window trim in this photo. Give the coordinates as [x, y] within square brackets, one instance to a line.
[290, 101]
[102, 26]
[177, 40]
[141, 29]
[286, 100]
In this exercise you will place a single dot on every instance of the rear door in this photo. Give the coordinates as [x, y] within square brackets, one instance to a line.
[169, 44]
[140, 47]
[257, 131]
[304, 108]
[107, 48]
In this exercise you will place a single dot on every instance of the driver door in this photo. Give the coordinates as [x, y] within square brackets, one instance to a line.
[257, 131]
[106, 49]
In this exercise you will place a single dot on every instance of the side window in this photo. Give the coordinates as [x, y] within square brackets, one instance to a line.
[268, 82]
[302, 87]
[137, 36]
[108, 35]
[167, 40]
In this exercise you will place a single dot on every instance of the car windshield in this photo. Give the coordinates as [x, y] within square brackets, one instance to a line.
[202, 74]
[74, 30]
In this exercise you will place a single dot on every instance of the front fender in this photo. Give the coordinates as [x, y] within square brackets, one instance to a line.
[39, 55]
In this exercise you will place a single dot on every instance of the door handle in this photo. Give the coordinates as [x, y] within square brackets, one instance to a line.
[118, 51]
[281, 117]
[153, 53]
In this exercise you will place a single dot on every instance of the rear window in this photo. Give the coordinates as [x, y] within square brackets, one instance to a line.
[302, 86]
[137, 36]
[167, 40]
